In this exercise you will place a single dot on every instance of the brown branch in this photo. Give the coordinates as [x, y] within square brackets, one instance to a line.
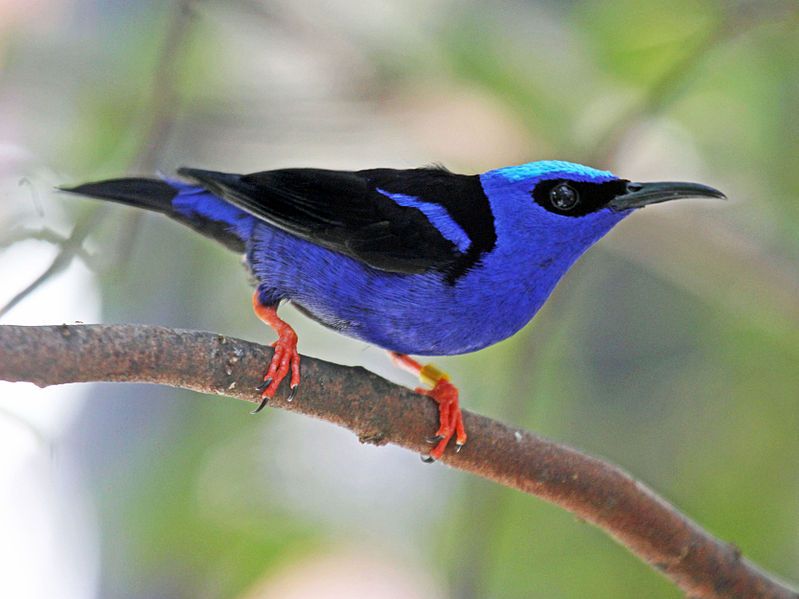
[380, 412]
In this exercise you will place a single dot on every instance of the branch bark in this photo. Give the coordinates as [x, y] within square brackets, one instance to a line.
[380, 412]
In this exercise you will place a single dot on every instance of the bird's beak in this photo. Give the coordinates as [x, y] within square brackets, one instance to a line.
[639, 195]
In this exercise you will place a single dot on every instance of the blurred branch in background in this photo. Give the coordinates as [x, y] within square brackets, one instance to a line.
[70, 247]
[380, 412]
[666, 88]
[164, 99]
[160, 114]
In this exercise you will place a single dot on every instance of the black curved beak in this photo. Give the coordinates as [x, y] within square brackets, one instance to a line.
[639, 195]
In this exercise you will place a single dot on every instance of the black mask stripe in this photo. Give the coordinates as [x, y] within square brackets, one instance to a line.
[593, 196]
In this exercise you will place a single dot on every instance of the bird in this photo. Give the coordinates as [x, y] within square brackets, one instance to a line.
[419, 262]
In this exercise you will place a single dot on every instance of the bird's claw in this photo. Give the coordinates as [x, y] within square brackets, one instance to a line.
[262, 387]
[285, 362]
[292, 393]
[262, 405]
[427, 459]
[434, 439]
[445, 394]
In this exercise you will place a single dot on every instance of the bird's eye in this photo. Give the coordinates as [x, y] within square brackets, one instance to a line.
[564, 197]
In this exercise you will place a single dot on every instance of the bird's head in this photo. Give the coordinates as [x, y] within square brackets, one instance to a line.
[567, 205]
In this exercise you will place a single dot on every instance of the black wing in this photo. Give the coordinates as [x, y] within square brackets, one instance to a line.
[344, 211]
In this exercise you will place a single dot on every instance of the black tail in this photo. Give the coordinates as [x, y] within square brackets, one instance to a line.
[150, 194]
[157, 196]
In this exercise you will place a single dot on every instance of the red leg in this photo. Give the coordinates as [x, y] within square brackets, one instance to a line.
[445, 394]
[285, 359]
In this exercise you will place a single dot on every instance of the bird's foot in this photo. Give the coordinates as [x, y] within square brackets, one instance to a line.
[285, 360]
[445, 394]
[450, 419]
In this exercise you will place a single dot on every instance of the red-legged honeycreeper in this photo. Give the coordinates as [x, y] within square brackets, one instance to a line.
[420, 261]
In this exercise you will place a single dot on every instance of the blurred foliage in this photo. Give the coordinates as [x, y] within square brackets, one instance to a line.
[632, 359]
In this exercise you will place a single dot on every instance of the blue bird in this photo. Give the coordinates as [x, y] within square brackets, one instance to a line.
[420, 261]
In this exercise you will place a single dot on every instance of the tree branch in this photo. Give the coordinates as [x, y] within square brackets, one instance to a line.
[380, 412]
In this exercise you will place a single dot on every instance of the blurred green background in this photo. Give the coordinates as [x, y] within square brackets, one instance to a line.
[672, 348]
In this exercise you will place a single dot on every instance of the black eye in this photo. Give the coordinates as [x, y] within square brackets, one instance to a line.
[564, 197]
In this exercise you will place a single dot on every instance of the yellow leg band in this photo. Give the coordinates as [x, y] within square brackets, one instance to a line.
[431, 375]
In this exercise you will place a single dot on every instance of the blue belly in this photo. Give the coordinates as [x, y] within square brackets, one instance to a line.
[418, 314]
